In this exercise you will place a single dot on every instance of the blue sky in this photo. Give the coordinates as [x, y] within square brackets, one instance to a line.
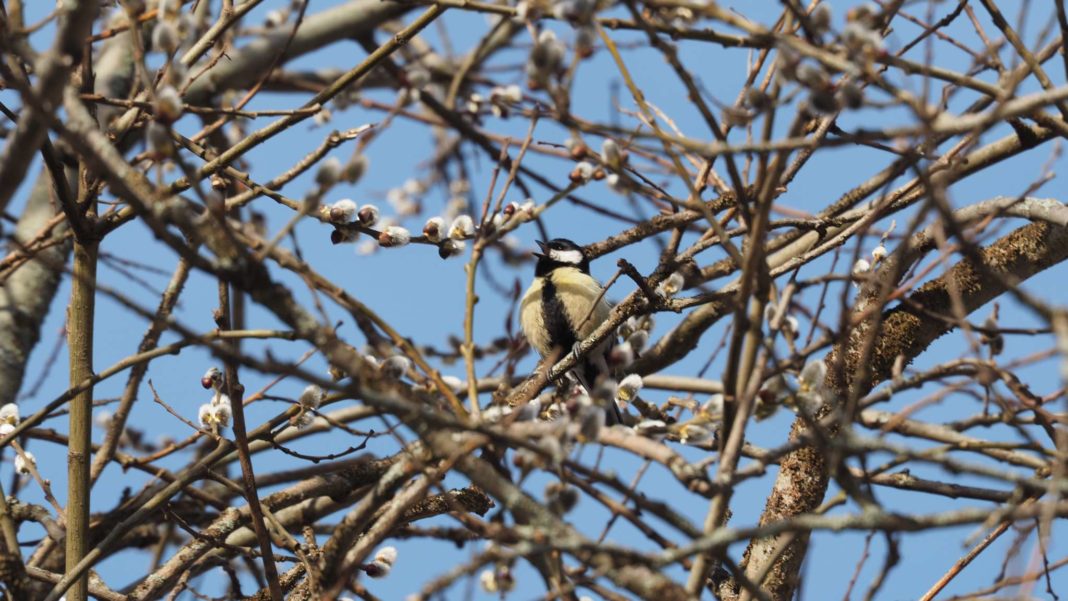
[423, 296]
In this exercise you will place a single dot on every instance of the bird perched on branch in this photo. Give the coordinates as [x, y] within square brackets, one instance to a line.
[563, 305]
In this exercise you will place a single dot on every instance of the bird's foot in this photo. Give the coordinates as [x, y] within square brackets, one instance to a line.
[576, 351]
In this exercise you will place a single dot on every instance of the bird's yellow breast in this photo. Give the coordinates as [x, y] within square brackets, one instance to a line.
[581, 299]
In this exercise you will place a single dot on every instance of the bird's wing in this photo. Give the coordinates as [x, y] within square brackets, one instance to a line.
[531, 319]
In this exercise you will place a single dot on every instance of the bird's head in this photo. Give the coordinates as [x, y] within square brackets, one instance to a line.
[560, 252]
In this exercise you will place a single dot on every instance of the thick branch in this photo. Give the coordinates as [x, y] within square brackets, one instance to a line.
[906, 330]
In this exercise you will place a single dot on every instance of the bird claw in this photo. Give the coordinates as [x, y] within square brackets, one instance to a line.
[576, 351]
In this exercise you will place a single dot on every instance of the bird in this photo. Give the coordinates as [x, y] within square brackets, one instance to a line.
[563, 305]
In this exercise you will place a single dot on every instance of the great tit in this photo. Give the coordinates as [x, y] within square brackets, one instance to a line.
[563, 305]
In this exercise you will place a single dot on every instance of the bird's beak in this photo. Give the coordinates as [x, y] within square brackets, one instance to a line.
[544, 248]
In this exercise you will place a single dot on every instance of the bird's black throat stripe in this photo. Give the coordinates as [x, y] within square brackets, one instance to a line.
[554, 315]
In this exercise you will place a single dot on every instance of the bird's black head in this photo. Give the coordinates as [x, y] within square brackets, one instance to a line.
[560, 252]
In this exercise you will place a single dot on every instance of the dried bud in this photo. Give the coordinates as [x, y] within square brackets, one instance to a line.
[736, 116]
[488, 578]
[342, 211]
[434, 229]
[459, 187]
[820, 18]
[561, 498]
[418, 77]
[495, 413]
[322, 117]
[652, 428]
[713, 406]
[878, 254]
[274, 18]
[311, 397]
[9, 418]
[577, 148]
[462, 227]
[628, 388]
[342, 236]
[562, 8]
[211, 378]
[812, 376]
[474, 104]
[861, 267]
[756, 99]
[628, 327]
[505, 578]
[638, 340]
[451, 248]
[822, 102]
[170, 8]
[396, 366]
[158, 140]
[382, 563]
[672, 285]
[165, 36]
[528, 412]
[766, 406]
[865, 14]
[621, 355]
[812, 76]
[861, 39]
[787, 63]
[585, 39]
[387, 555]
[394, 235]
[610, 153]
[582, 173]
[591, 419]
[302, 420]
[413, 187]
[850, 95]
[790, 325]
[544, 61]
[455, 384]
[176, 74]
[368, 215]
[25, 462]
[354, 169]
[168, 106]
[371, 361]
[329, 172]
[548, 52]
[216, 414]
[512, 94]
[696, 434]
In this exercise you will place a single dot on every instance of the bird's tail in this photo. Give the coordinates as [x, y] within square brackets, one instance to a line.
[592, 373]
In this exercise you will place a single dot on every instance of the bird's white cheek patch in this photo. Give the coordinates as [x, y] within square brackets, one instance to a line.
[572, 257]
